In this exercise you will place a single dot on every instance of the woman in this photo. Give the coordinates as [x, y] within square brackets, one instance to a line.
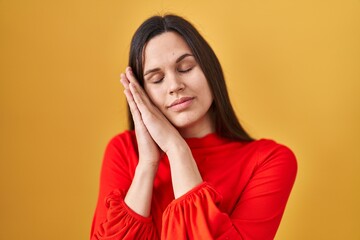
[188, 170]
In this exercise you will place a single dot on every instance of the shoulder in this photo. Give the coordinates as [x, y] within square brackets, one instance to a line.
[125, 138]
[268, 146]
[268, 151]
[122, 142]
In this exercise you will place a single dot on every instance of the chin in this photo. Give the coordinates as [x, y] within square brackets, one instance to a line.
[190, 120]
[186, 122]
[182, 124]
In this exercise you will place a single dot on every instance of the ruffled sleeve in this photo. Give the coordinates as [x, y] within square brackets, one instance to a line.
[123, 223]
[196, 215]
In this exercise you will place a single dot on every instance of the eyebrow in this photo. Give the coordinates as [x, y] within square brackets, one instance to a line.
[182, 57]
[179, 59]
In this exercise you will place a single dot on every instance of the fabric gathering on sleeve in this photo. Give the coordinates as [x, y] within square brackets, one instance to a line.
[196, 215]
[123, 223]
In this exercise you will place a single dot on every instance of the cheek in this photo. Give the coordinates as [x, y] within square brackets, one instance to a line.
[204, 87]
[208, 96]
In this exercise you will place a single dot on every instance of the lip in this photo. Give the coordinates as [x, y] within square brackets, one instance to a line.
[181, 103]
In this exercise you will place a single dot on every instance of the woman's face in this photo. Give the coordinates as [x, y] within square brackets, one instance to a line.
[177, 86]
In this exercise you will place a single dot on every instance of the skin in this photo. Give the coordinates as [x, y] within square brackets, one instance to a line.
[171, 74]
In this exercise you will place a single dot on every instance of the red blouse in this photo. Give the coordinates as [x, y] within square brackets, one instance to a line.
[243, 196]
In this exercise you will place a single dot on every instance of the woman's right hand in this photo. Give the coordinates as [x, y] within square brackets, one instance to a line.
[149, 152]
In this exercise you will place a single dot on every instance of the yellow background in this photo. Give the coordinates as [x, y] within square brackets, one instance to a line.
[293, 72]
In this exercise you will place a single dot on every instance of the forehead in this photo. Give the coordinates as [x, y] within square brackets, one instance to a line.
[164, 49]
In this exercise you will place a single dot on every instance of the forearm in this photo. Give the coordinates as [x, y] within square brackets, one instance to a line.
[184, 171]
[139, 195]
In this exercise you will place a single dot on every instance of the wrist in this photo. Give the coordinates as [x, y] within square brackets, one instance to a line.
[178, 148]
[147, 168]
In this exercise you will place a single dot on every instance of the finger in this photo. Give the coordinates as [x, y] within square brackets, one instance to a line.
[143, 102]
[130, 78]
[130, 75]
[124, 81]
[136, 96]
[133, 107]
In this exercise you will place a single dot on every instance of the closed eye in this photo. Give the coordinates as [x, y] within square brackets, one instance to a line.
[186, 70]
[158, 81]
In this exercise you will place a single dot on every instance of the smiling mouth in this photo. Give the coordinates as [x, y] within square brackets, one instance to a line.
[181, 104]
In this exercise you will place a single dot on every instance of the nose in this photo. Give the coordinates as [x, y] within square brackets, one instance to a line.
[175, 84]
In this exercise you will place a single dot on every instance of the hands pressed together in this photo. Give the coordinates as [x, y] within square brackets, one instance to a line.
[153, 131]
[155, 134]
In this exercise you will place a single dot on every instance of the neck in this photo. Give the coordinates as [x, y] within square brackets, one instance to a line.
[199, 129]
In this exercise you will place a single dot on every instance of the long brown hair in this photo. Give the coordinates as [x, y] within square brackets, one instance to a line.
[226, 123]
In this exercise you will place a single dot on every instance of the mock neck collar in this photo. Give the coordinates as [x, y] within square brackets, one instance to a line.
[209, 140]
